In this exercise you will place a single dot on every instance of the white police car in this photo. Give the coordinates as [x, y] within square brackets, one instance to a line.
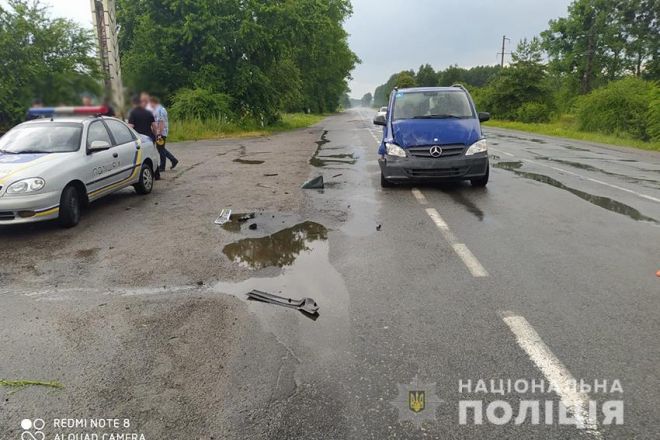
[51, 168]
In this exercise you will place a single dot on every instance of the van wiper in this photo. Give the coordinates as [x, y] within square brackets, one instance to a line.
[438, 117]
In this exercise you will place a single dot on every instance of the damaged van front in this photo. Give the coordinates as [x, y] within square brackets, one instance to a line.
[433, 134]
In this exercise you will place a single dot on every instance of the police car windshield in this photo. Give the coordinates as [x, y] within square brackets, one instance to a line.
[50, 137]
[432, 105]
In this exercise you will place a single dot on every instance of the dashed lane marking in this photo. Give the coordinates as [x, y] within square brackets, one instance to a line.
[554, 371]
[468, 258]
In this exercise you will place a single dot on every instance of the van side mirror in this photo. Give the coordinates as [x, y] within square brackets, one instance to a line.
[484, 116]
[380, 120]
[98, 146]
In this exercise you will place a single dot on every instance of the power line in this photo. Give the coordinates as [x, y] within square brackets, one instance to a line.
[503, 53]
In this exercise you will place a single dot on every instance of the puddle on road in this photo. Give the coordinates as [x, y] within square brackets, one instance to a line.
[538, 141]
[574, 148]
[603, 202]
[249, 162]
[587, 167]
[319, 161]
[276, 250]
[509, 165]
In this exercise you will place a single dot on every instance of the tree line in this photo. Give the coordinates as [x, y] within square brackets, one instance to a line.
[229, 59]
[599, 65]
[50, 60]
[245, 58]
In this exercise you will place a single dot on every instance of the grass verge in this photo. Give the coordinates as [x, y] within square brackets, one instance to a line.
[19, 384]
[564, 128]
[197, 129]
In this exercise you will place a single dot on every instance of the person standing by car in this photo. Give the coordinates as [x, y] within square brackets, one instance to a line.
[161, 130]
[142, 121]
[145, 99]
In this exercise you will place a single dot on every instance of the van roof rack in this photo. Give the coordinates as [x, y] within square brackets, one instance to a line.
[460, 86]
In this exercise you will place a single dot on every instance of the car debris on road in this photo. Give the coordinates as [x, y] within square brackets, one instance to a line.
[306, 305]
[224, 217]
[315, 183]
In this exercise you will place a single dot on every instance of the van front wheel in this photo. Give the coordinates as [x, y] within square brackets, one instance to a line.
[481, 182]
[384, 183]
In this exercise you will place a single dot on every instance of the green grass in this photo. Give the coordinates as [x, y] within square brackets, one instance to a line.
[565, 127]
[19, 384]
[197, 129]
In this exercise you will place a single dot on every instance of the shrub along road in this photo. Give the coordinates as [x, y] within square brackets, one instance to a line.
[140, 313]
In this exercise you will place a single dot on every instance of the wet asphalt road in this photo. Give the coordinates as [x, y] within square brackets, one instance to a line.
[429, 282]
[568, 234]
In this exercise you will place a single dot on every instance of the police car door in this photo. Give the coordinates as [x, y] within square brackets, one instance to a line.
[126, 146]
[103, 168]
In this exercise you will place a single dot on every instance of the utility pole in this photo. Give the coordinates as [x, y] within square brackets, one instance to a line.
[105, 24]
[504, 40]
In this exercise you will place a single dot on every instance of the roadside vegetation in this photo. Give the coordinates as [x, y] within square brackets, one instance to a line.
[593, 75]
[217, 128]
[220, 66]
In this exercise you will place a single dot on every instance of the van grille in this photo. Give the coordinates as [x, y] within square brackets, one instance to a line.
[6, 215]
[447, 151]
[444, 172]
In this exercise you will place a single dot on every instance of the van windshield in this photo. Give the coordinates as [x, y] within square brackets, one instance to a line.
[432, 105]
[49, 137]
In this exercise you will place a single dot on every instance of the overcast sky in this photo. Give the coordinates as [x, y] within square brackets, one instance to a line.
[394, 35]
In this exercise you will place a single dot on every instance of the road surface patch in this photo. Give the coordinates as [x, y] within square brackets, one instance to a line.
[468, 258]
[600, 182]
[553, 369]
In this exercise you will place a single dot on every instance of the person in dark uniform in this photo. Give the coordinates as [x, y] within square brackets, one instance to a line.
[110, 111]
[142, 121]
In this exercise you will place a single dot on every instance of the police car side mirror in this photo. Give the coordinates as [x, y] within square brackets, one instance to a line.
[98, 146]
[380, 120]
[484, 116]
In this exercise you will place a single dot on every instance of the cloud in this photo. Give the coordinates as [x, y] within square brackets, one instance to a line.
[403, 34]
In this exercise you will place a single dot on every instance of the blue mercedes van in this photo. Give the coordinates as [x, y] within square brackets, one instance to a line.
[432, 134]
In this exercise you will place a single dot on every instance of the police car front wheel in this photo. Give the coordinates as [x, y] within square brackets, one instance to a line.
[70, 207]
[146, 183]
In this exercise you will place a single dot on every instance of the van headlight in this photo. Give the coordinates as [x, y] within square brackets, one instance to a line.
[26, 186]
[394, 150]
[481, 146]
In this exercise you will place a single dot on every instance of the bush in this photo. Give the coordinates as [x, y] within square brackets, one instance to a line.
[198, 103]
[653, 116]
[621, 108]
[533, 112]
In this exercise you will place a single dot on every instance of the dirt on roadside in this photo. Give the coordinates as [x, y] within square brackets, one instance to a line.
[167, 238]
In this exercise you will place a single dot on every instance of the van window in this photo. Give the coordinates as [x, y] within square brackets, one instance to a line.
[432, 105]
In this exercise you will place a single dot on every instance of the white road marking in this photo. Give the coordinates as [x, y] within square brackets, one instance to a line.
[421, 198]
[600, 182]
[554, 371]
[468, 258]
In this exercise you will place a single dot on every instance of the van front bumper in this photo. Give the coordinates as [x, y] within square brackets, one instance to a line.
[402, 169]
[29, 208]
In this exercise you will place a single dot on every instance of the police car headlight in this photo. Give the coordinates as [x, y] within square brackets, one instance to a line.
[394, 150]
[26, 186]
[480, 146]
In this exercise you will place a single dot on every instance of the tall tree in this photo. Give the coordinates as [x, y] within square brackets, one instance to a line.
[269, 56]
[426, 76]
[579, 44]
[48, 59]
[521, 83]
